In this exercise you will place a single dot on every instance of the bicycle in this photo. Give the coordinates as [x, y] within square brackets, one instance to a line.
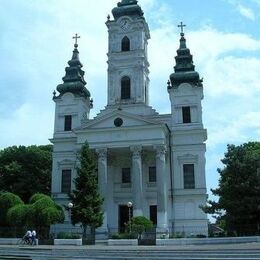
[24, 241]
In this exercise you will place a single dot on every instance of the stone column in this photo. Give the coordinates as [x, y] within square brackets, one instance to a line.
[102, 181]
[161, 188]
[137, 184]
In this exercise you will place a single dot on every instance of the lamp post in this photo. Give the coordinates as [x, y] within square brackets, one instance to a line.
[70, 206]
[129, 205]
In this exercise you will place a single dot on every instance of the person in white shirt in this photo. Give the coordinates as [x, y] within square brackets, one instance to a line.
[34, 237]
[28, 236]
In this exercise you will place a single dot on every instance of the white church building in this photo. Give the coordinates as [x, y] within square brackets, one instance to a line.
[155, 161]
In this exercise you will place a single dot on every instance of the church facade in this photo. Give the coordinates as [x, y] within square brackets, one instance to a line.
[149, 164]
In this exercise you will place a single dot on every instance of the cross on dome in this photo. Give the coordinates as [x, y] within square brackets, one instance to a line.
[181, 25]
[76, 37]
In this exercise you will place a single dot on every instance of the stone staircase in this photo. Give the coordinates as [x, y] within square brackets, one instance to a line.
[142, 253]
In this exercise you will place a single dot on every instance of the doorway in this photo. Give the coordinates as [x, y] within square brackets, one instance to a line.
[123, 217]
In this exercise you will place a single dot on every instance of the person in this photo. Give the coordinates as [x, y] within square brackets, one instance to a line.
[34, 237]
[28, 236]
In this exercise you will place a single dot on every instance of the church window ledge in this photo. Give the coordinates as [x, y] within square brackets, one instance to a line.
[122, 187]
[126, 185]
[126, 101]
[189, 192]
[151, 184]
[58, 195]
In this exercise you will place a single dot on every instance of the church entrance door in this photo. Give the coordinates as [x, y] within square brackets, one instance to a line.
[123, 217]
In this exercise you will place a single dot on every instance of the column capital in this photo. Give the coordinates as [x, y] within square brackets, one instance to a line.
[102, 153]
[160, 149]
[136, 150]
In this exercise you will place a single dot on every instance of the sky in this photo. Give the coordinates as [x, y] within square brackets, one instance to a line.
[223, 36]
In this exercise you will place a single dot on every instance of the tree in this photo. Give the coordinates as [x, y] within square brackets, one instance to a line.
[26, 170]
[239, 190]
[85, 197]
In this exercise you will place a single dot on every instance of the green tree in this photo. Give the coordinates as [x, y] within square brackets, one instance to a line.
[40, 214]
[26, 170]
[239, 190]
[7, 201]
[85, 197]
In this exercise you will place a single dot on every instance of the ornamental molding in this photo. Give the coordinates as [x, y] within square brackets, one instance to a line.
[187, 158]
[66, 163]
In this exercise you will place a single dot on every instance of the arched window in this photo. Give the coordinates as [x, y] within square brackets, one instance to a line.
[125, 88]
[125, 44]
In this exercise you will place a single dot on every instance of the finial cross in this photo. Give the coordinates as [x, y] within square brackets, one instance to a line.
[76, 37]
[182, 26]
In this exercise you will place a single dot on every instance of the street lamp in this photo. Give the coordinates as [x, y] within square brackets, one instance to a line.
[129, 205]
[70, 206]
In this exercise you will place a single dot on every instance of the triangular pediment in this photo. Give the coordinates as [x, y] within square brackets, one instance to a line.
[118, 118]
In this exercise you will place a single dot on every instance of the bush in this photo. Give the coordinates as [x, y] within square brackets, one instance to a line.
[200, 236]
[19, 215]
[45, 212]
[37, 196]
[63, 235]
[124, 236]
[139, 225]
[7, 201]
[177, 235]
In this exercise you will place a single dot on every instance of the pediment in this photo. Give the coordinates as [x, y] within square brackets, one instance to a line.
[118, 119]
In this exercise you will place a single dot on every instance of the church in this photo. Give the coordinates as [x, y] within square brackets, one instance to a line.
[149, 164]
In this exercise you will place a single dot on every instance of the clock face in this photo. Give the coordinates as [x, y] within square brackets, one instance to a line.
[124, 24]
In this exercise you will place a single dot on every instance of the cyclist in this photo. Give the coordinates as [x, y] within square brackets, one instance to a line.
[28, 237]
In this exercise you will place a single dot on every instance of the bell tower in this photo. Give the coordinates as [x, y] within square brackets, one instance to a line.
[73, 103]
[128, 73]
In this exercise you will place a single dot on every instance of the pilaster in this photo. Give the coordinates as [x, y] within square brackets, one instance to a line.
[102, 181]
[161, 187]
[137, 180]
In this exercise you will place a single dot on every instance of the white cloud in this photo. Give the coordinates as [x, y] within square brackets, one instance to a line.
[30, 124]
[240, 129]
[246, 12]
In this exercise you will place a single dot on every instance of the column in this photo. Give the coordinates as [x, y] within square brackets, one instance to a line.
[161, 187]
[137, 184]
[102, 181]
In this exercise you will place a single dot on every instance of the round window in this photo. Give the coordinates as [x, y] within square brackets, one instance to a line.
[118, 122]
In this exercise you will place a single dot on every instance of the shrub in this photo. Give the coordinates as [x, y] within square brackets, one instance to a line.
[19, 215]
[63, 235]
[177, 235]
[124, 236]
[7, 201]
[200, 236]
[139, 225]
[36, 197]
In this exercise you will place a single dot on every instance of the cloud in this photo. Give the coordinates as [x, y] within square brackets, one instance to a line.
[246, 12]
